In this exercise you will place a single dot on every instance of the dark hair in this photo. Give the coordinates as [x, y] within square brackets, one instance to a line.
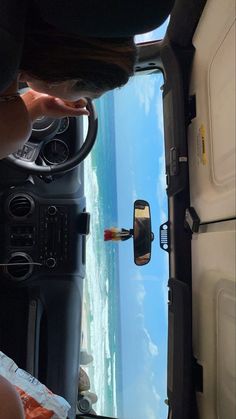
[98, 63]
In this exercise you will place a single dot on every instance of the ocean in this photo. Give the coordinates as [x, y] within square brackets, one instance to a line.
[101, 285]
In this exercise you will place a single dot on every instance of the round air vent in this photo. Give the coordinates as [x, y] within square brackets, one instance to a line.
[19, 266]
[20, 205]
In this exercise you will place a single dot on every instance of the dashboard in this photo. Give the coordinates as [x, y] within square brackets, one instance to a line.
[50, 139]
[43, 228]
[41, 232]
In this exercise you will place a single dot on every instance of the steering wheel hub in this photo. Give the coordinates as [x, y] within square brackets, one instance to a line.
[44, 128]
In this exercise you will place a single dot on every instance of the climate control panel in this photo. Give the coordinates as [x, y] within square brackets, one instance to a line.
[42, 235]
[53, 235]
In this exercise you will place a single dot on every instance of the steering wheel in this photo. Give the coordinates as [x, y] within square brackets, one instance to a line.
[25, 158]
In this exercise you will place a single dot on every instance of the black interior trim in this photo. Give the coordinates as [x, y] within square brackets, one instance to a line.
[180, 361]
[61, 329]
[175, 117]
[183, 21]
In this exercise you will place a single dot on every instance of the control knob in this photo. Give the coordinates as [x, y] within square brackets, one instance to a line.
[51, 262]
[52, 210]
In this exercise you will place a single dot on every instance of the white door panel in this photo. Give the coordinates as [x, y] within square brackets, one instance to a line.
[212, 133]
[214, 318]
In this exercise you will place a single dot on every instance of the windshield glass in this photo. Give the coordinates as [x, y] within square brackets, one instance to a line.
[125, 306]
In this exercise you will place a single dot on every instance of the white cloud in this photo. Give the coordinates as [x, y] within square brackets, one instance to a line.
[159, 111]
[148, 401]
[138, 276]
[152, 348]
[141, 295]
[153, 406]
[140, 316]
[155, 393]
[150, 413]
[144, 88]
[144, 277]
[134, 194]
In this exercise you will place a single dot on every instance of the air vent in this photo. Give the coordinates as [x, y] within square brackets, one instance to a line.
[19, 266]
[21, 206]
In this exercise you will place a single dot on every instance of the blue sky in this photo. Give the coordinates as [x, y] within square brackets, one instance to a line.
[141, 175]
[143, 290]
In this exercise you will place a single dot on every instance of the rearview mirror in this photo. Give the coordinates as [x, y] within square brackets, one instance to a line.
[142, 233]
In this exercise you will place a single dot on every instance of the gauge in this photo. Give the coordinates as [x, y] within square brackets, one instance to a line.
[64, 124]
[55, 152]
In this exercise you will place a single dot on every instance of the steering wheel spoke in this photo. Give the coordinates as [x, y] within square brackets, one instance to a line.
[29, 152]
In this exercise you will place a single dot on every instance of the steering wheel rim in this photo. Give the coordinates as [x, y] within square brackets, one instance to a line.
[72, 162]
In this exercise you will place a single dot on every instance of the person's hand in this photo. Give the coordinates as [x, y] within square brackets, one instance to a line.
[40, 104]
[58, 108]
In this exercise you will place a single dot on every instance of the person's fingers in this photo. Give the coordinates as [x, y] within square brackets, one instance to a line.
[74, 108]
[80, 103]
[78, 112]
[67, 111]
[58, 108]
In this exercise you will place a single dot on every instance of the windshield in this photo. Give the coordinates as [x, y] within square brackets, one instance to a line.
[125, 306]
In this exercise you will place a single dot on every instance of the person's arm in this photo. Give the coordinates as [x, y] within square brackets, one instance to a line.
[11, 406]
[15, 122]
[40, 104]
